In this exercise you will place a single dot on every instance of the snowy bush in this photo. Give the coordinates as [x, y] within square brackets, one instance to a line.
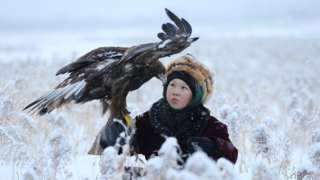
[261, 142]
[314, 155]
[112, 164]
[264, 171]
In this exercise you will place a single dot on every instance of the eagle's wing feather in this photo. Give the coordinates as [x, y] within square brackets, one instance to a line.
[134, 51]
[175, 19]
[162, 36]
[91, 63]
[187, 27]
[94, 56]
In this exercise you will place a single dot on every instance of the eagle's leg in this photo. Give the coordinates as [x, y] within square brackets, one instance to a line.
[116, 108]
[119, 102]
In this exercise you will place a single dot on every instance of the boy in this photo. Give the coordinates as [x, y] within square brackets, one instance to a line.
[180, 113]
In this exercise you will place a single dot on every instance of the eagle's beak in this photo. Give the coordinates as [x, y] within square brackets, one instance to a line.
[193, 39]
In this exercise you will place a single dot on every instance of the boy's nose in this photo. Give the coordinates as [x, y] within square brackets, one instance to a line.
[175, 93]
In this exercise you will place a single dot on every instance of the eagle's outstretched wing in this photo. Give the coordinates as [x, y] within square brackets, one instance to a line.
[110, 73]
[174, 39]
[75, 84]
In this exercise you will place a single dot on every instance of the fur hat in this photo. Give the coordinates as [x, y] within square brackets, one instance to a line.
[199, 72]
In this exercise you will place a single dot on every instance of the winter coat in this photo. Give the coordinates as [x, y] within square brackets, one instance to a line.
[149, 137]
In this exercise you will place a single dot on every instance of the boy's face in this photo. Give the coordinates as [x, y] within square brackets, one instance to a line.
[178, 94]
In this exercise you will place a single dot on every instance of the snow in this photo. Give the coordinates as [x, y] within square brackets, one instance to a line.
[266, 91]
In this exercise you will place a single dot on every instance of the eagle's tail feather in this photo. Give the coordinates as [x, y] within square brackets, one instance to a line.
[55, 99]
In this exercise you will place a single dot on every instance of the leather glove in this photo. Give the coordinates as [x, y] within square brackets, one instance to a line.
[209, 146]
[110, 134]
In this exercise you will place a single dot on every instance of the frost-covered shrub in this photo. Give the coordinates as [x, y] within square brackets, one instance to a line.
[170, 152]
[6, 107]
[202, 166]
[262, 170]
[168, 157]
[315, 137]
[304, 173]
[173, 174]
[197, 166]
[314, 155]
[28, 173]
[231, 116]
[227, 170]
[271, 123]
[59, 151]
[298, 118]
[260, 140]
[112, 164]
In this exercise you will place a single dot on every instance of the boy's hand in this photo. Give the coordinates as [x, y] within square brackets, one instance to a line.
[207, 145]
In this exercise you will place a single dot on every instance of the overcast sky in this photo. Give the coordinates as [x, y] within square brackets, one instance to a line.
[97, 12]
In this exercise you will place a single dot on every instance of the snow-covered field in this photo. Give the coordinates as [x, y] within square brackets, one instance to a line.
[266, 90]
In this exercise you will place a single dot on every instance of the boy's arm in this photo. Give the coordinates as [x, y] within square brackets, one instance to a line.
[218, 132]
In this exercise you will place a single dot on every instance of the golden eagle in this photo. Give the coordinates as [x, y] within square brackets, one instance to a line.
[108, 74]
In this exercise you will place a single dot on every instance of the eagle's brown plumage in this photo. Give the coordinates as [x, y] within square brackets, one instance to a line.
[108, 74]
